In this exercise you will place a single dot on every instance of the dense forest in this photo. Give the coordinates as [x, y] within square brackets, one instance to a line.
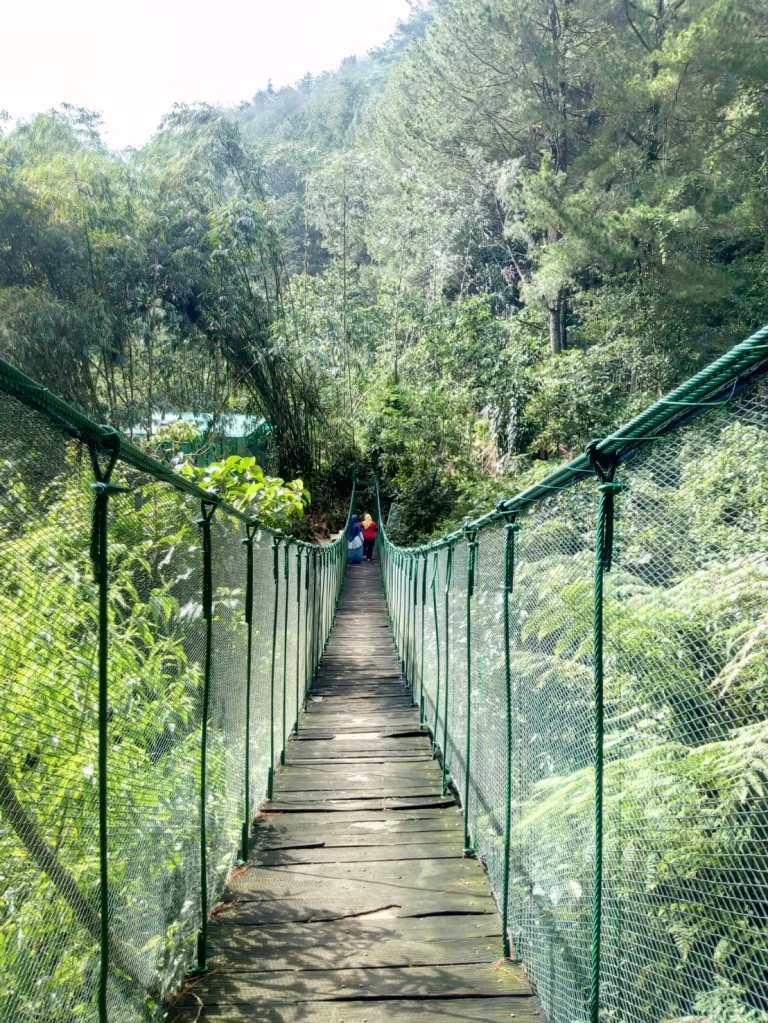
[460, 257]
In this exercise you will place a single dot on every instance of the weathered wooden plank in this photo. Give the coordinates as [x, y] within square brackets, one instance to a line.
[361, 833]
[459, 981]
[388, 817]
[442, 849]
[354, 953]
[321, 806]
[428, 1010]
[363, 932]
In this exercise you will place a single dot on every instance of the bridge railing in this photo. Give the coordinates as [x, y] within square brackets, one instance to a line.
[157, 646]
[591, 659]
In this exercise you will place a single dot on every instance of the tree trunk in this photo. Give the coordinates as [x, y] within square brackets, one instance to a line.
[558, 322]
[124, 957]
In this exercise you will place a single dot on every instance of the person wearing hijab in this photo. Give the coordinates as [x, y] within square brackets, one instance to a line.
[369, 536]
[354, 541]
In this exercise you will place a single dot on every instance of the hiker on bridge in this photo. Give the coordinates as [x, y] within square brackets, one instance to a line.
[354, 541]
[369, 536]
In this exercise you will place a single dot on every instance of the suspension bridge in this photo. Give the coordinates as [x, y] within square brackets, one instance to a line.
[517, 772]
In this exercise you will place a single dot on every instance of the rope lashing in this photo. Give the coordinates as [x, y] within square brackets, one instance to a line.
[604, 468]
[204, 522]
[247, 541]
[103, 489]
[511, 528]
[276, 581]
[472, 546]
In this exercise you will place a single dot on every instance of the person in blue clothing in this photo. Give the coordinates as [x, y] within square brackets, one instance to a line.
[354, 541]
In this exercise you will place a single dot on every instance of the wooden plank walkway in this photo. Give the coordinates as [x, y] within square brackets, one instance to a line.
[357, 905]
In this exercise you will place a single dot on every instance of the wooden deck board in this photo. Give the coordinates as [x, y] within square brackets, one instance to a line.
[357, 905]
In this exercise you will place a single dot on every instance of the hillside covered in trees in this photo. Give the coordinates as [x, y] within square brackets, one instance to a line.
[460, 257]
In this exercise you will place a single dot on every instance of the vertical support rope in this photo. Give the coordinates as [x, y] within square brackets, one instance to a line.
[103, 489]
[471, 556]
[603, 557]
[313, 645]
[408, 580]
[276, 581]
[447, 672]
[509, 581]
[422, 718]
[250, 533]
[204, 522]
[414, 602]
[435, 584]
[306, 628]
[298, 635]
[286, 577]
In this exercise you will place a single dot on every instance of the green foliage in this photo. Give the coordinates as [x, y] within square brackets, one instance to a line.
[243, 484]
[48, 743]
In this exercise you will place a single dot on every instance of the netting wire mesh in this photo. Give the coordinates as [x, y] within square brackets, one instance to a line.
[684, 908]
[49, 785]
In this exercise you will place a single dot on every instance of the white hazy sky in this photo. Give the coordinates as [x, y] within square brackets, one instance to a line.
[133, 60]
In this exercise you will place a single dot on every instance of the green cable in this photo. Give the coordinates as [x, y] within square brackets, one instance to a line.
[413, 629]
[204, 522]
[313, 662]
[407, 586]
[250, 532]
[447, 673]
[509, 581]
[422, 719]
[286, 576]
[306, 630]
[103, 489]
[603, 556]
[276, 580]
[471, 556]
[435, 584]
[298, 634]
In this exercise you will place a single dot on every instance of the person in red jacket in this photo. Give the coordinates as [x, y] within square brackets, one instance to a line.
[369, 537]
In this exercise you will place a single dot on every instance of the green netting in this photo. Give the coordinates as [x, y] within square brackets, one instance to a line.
[160, 620]
[683, 713]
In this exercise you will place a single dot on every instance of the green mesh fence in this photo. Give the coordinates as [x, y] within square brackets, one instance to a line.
[592, 662]
[157, 649]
